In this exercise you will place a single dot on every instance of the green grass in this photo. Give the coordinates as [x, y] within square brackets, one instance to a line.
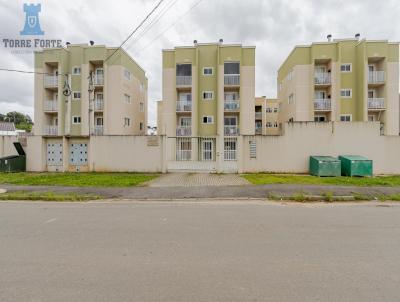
[76, 179]
[263, 179]
[47, 196]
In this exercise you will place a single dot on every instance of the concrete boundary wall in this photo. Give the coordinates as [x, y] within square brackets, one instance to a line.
[290, 152]
[6, 145]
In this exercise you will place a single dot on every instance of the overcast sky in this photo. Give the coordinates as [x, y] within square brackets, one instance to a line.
[273, 26]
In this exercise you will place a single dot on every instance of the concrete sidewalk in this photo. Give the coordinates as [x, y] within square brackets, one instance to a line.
[244, 191]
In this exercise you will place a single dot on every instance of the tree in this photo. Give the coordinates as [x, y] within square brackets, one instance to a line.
[21, 121]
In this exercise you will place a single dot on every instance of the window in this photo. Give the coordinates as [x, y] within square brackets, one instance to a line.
[291, 120]
[99, 121]
[291, 99]
[185, 122]
[275, 125]
[230, 121]
[184, 70]
[268, 110]
[231, 96]
[231, 68]
[76, 120]
[345, 118]
[345, 67]
[76, 70]
[127, 98]
[127, 122]
[345, 93]
[275, 110]
[141, 87]
[319, 118]
[141, 126]
[371, 118]
[269, 125]
[127, 74]
[208, 95]
[185, 97]
[207, 71]
[289, 77]
[141, 107]
[208, 119]
[76, 95]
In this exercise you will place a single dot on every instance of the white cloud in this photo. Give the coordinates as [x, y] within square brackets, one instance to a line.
[274, 26]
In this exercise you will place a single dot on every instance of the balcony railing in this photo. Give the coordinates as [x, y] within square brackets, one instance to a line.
[183, 106]
[50, 81]
[51, 130]
[322, 78]
[376, 103]
[98, 80]
[322, 104]
[258, 131]
[183, 80]
[376, 77]
[258, 115]
[98, 130]
[183, 155]
[98, 105]
[184, 131]
[231, 105]
[231, 130]
[50, 106]
[232, 79]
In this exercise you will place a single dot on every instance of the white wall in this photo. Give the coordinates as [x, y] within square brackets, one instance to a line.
[290, 153]
[6, 145]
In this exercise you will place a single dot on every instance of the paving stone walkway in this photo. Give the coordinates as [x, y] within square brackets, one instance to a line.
[197, 180]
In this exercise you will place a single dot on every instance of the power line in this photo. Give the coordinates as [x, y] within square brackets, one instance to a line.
[154, 22]
[25, 71]
[173, 24]
[135, 30]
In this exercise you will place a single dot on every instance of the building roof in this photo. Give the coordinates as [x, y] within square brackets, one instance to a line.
[4, 126]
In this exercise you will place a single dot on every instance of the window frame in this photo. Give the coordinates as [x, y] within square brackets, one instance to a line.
[129, 121]
[126, 72]
[73, 95]
[73, 70]
[345, 65]
[208, 117]
[127, 97]
[346, 115]
[346, 89]
[208, 74]
[76, 117]
[208, 99]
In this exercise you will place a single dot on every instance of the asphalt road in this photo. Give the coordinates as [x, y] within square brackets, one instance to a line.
[199, 251]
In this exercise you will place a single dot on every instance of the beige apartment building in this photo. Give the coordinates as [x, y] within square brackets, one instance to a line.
[83, 91]
[342, 80]
[266, 116]
[208, 100]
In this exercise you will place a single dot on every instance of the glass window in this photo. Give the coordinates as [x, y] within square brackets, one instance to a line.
[231, 68]
[184, 69]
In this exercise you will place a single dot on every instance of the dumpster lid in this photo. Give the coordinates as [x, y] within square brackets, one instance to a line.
[19, 148]
[324, 158]
[354, 157]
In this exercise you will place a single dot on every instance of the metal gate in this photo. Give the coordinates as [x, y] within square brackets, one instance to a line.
[54, 154]
[78, 154]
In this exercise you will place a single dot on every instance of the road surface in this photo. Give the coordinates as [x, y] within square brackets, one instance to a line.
[199, 251]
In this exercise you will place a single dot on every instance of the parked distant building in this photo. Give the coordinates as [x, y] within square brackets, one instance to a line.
[116, 105]
[208, 99]
[342, 80]
[7, 128]
[266, 116]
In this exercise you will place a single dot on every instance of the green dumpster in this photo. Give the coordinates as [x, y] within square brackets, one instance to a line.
[355, 165]
[324, 166]
[14, 163]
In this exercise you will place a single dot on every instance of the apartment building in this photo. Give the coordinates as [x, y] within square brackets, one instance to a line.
[77, 94]
[208, 100]
[83, 91]
[266, 116]
[342, 80]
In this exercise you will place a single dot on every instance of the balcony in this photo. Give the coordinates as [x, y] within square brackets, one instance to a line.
[258, 131]
[322, 105]
[183, 81]
[232, 79]
[183, 106]
[50, 81]
[231, 105]
[184, 131]
[98, 105]
[50, 106]
[258, 115]
[51, 130]
[376, 77]
[322, 78]
[98, 80]
[98, 130]
[376, 103]
[231, 130]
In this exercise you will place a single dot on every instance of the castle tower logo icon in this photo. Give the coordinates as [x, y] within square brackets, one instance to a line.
[32, 25]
